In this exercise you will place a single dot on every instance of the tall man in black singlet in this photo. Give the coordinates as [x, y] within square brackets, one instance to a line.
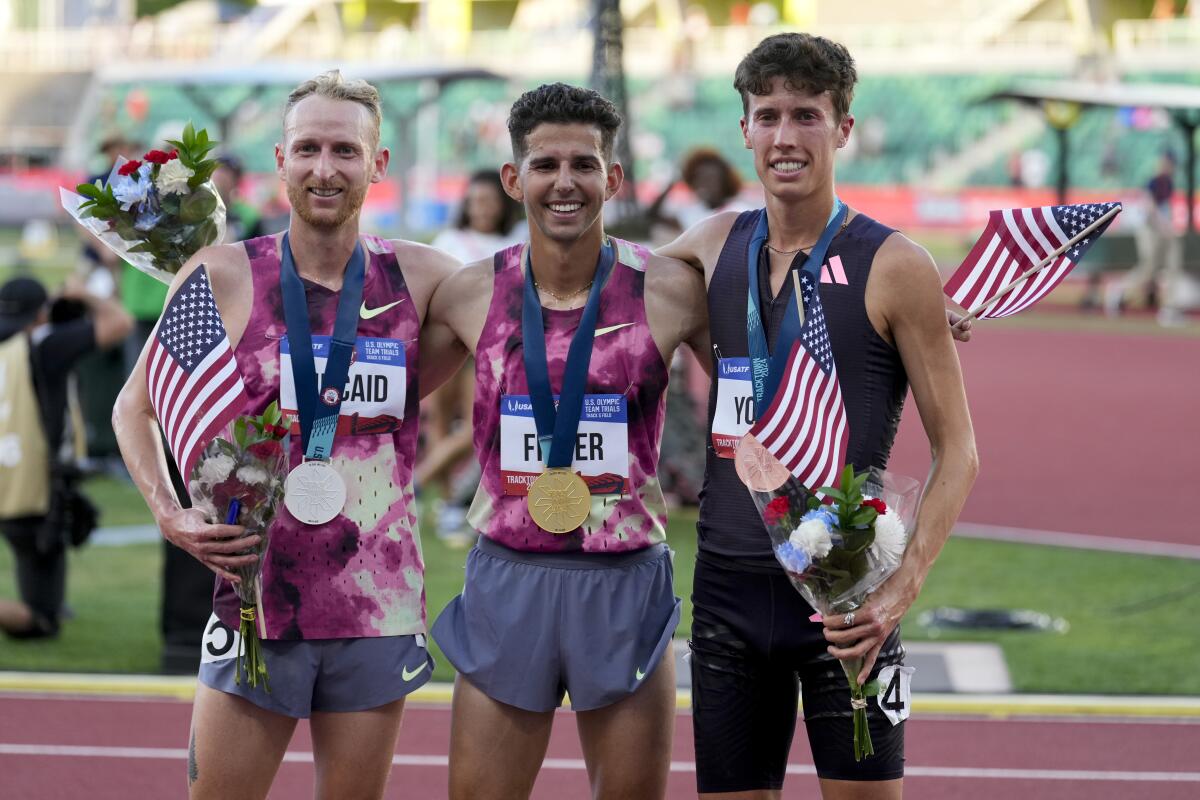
[751, 636]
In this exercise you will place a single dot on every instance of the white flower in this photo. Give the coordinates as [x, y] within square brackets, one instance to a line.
[216, 469]
[173, 177]
[813, 538]
[252, 475]
[890, 539]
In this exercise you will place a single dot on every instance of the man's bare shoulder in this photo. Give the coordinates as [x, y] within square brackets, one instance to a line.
[717, 226]
[424, 256]
[227, 264]
[701, 244]
[672, 277]
[902, 265]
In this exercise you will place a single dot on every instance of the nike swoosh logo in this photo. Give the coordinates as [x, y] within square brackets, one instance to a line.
[611, 328]
[371, 313]
[408, 676]
[639, 674]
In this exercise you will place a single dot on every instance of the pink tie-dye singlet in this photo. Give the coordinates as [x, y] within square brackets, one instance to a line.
[625, 363]
[360, 574]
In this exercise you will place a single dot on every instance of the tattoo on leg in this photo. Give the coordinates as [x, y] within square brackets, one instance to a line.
[193, 767]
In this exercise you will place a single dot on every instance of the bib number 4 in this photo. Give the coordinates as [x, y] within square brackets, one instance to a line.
[895, 692]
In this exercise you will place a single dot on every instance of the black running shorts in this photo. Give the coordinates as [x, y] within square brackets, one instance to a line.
[754, 651]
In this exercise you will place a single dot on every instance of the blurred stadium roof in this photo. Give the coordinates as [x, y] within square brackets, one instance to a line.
[1062, 100]
[1178, 97]
[185, 73]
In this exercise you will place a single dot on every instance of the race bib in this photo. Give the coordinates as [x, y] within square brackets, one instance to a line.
[220, 643]
[374, 395]
[601, 444]
[734, 415]
[895, 692]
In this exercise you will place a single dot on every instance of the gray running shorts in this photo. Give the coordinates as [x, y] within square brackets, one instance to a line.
[319, 674]
[530, 626]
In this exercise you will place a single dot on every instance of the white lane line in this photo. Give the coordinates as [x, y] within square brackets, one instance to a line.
[1084, 541]
[577, 764]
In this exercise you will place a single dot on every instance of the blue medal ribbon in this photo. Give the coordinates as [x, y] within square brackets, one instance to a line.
[766, 368]
[557, 428]
[318, 413]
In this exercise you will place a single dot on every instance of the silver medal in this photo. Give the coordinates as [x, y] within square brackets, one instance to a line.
[314, 493]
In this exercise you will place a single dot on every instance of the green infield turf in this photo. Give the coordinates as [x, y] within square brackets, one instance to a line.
[1130, 619]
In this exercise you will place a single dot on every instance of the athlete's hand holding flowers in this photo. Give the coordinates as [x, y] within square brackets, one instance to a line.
[239, 478]
[838, 552]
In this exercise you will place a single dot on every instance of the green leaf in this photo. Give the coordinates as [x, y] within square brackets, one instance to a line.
[89, 190]
[239, 432]
[864, 516]
[829, 491]
[197, 206]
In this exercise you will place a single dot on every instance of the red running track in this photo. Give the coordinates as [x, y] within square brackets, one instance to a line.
[1093, 418]
[105, 749]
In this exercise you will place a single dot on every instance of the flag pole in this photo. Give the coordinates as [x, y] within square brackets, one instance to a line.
[799, 295]
[1112, 212]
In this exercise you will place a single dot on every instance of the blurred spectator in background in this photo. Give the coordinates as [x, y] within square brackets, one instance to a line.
[41, 510]
[242, 220]
[1160, 251]
[714, 186]
[102, 371]
[489, 221]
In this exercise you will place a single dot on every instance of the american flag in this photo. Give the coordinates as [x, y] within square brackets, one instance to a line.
[194, 383]
[805, 424]
[1014, 242]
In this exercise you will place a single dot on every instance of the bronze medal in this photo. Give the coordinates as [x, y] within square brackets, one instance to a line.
[758, 469]
[559, 500]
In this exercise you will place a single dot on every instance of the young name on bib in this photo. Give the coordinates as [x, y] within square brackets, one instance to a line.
[601, 454]
[735, 405]
[374, 395]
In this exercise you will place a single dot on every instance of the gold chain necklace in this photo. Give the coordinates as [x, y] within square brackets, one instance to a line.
[563, 298]
[779, 252]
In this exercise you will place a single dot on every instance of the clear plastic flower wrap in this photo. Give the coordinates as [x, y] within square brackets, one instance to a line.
[155, 212]
[239, 480]
[838, 548]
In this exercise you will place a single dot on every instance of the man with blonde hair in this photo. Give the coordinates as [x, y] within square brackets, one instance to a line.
[343, 601]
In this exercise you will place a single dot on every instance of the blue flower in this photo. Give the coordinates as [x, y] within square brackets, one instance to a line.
[150, 213]
[792, 558]
[824, 514]
[130, 190]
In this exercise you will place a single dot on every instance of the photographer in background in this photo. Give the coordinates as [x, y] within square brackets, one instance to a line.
[40, 508]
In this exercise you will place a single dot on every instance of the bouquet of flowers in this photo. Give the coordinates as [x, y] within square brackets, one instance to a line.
[239, 480]
[838, 550]
[155, 212]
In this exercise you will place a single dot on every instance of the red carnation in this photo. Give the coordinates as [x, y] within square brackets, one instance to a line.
[158, 157]
[776, 510]
[876, 504]
[266, 450]
[172, 154]
[129, 167]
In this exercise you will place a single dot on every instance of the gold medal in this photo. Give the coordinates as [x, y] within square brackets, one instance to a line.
[758, 469]
[559, 500]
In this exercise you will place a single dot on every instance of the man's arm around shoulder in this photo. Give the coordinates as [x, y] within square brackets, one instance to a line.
[457, 312]
[700, 245]
[424, 268]
[677, 308]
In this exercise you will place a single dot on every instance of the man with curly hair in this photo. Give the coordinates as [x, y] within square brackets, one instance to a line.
[754, 646]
